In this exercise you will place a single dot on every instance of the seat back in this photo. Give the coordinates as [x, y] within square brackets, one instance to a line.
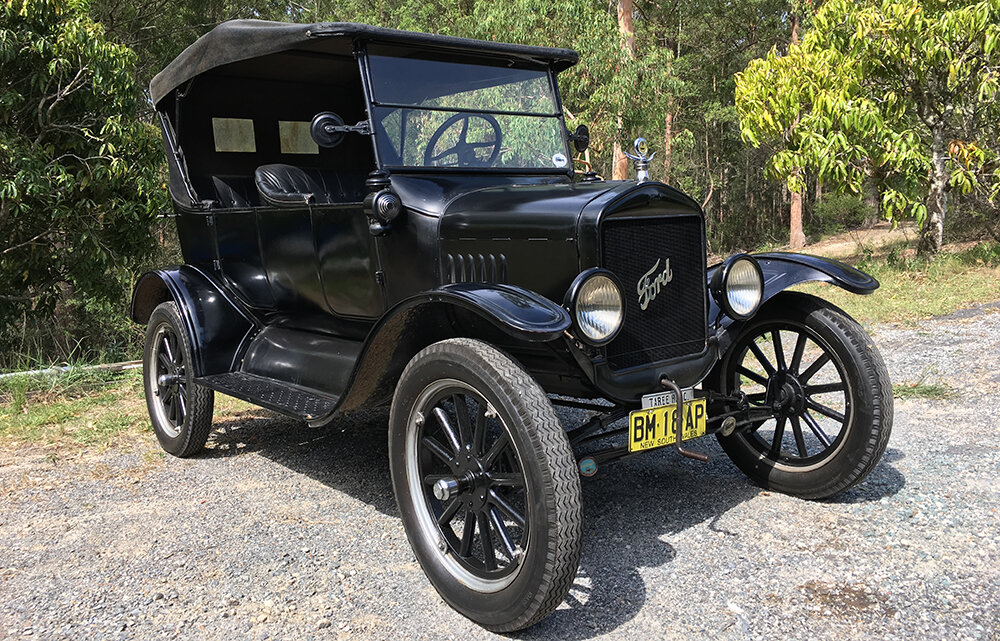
[235, 192]
[290, 185]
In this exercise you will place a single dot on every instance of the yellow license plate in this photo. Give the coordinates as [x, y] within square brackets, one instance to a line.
[656, 426]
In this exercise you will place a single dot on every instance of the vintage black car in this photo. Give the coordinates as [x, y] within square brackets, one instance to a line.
[370, 217]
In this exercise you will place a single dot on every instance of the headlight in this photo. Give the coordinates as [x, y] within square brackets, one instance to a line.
[738, 286]
[598, 309]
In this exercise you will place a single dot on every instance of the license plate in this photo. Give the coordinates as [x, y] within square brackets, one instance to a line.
[656, 426]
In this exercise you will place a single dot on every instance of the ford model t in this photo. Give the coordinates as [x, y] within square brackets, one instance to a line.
[372, 217]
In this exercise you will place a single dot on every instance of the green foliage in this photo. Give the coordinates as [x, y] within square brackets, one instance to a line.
[80, 175]
[837, 212]
[877, 90]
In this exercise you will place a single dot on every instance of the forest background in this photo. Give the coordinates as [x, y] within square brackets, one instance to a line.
[785, 119]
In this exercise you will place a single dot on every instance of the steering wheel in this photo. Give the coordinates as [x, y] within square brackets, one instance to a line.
[466, 153]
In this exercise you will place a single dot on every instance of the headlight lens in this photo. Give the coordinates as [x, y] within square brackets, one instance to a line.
[744, 287]
[599, 309]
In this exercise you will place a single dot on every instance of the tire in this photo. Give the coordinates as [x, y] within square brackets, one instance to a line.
[518, 472]
[179, 408]
[850, 390]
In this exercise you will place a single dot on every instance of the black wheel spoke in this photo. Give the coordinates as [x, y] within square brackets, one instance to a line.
[762, 359]
[449, 431]
[489, 553]
[507, 480]
[462, 416]
[468, 534]
[437, 449]
[753, 376]
[779, 351]
[815, 367]
[479, 433]
[465, 130]
[501, 530]
[163, 361]
[166, 348]
[779, 433]
[825, 388]
[800, 346]
[800, 441]
[816, 429]
[450, 511]
[824, 410]
[757, 398]
[509, 510]
[181, 405]
[495, 451]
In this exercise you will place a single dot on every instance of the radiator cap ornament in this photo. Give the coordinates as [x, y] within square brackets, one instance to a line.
[641, 159]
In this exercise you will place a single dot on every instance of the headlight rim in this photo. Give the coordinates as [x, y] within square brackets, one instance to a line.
[720, 281]
[572, 297]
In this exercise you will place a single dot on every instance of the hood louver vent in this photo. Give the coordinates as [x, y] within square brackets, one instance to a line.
[475, 268]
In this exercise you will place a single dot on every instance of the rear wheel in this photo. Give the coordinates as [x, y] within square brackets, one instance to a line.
[486, 484]
[179, 408]
[823, 378]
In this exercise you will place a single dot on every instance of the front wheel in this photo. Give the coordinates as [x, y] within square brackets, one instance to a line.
[820, 374]
[486, 484]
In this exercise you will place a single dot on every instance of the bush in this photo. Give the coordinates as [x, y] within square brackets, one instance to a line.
[836, 213]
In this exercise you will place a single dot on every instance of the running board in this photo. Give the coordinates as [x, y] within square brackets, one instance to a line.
[290, 400]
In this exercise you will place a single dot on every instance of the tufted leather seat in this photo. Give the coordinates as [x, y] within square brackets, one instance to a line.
[290, 185]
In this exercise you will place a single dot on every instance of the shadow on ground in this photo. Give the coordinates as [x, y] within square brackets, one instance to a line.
[630, 506]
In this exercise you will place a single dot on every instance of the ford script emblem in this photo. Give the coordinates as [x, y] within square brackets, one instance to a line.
[651, 282]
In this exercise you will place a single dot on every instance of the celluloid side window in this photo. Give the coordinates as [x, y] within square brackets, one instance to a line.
[295, 137]
[234, 135]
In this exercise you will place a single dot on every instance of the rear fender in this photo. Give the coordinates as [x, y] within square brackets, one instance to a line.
[218, 327]
[488, 311]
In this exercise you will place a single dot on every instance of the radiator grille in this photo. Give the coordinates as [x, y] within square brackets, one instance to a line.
[673, 323]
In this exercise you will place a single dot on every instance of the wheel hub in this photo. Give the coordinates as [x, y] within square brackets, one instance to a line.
[786, 394]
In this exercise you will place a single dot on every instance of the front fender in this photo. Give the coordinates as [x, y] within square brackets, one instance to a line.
[447, 312]
[216, 324]
[784, 269]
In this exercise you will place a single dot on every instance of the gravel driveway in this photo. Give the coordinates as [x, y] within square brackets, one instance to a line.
[283, 532]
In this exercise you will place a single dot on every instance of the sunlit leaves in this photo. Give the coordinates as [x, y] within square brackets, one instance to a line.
[78, 169]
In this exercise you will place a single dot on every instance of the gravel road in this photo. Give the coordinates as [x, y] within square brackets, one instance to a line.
[283, 532]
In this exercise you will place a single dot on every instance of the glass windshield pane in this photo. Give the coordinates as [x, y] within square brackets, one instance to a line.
[431, 83]
[447, 114]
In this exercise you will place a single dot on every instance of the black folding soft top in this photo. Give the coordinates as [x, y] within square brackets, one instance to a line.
[238, 40]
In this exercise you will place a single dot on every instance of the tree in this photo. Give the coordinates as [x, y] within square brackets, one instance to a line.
[79, 174]
[910, 79]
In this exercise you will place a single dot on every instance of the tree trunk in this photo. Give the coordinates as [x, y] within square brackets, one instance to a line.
[819, 190]
[796, 239]
[932, 235]
[619, 167]
[668, 140]
[794, 19]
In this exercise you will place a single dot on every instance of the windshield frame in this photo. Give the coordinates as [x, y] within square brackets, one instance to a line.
[466, 58]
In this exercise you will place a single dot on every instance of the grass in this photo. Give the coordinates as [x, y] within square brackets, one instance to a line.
[89, 408]
[914, 288]
[82, 408]
[929, 391]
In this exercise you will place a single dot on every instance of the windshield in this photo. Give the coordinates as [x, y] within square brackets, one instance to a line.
[445, 114]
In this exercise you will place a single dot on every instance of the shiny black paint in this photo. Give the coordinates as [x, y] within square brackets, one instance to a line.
[785, 269]
[218, 326]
